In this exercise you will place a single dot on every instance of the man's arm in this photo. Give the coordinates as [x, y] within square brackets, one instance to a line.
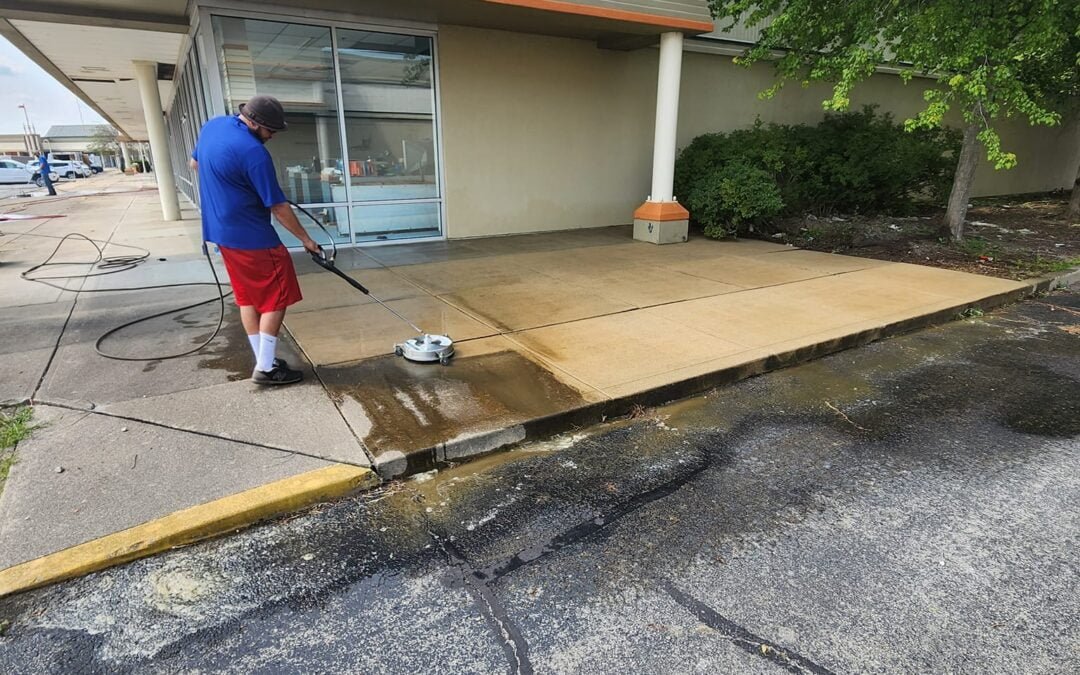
[284, 214]
[194, 164]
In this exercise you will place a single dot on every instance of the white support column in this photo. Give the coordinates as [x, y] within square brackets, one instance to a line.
[661, 219]
[146, 75]
[127, 157]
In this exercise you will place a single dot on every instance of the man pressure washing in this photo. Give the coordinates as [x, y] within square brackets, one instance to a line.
[239, 192]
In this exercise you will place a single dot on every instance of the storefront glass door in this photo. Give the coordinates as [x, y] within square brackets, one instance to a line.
[360, 151]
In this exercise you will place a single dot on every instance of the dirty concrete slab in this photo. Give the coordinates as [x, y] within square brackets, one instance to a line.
[22, 372]
[533, 302]
[610, 350]
[299, 418]
[326, 291]
[81, 375]
[117, 474]
[156, 271]
[32, 327]
[474, 405]
[363, 331]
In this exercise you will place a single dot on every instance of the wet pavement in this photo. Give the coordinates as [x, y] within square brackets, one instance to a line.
[909, 506]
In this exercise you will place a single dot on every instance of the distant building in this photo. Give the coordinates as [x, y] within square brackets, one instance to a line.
[15, 145]
[74, 141]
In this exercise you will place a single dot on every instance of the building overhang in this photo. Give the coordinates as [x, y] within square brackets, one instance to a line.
[89, 46]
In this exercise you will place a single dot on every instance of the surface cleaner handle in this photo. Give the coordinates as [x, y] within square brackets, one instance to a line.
[331, 267]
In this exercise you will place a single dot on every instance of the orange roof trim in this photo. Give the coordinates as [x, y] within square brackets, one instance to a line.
[614, 14]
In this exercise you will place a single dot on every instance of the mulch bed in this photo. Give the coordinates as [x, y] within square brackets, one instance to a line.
[1016, 237]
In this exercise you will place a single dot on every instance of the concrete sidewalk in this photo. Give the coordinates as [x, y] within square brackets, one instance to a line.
[552, 330]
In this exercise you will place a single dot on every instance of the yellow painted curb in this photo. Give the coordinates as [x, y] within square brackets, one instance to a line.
[184, 527]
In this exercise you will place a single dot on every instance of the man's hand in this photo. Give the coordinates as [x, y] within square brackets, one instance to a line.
[284, 214]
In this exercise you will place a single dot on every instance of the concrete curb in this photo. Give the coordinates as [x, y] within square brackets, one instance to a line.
[189, 525]
[454, 452]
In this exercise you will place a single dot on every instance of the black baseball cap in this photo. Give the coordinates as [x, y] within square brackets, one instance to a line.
[266, 111]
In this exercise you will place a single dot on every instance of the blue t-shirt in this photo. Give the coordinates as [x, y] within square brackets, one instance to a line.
[237, 186]
[43, 166]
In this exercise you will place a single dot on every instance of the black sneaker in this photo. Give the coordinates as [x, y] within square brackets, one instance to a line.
[281, 363]
[277, 376]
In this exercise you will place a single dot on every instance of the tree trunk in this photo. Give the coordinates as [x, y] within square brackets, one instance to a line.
[961, 188]
[1074, 202]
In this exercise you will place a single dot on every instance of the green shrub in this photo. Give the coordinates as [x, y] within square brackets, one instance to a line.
[733, 197]
[858, 162]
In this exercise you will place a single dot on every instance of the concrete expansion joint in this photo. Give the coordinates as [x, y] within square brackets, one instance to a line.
[91, 410]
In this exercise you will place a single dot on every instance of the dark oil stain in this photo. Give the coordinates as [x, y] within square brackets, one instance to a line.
[412, 406]
[151, 366]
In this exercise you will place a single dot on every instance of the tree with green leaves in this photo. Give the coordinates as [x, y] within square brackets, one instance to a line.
[103, 142]
[986, 60]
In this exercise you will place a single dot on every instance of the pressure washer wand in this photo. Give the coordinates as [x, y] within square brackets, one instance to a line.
[329, 265]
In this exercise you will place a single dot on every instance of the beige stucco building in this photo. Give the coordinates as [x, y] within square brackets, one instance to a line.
[415, 119]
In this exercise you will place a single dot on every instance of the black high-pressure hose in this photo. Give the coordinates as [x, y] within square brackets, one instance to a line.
[117, 264]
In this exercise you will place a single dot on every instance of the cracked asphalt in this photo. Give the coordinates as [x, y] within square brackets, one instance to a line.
[909, 506]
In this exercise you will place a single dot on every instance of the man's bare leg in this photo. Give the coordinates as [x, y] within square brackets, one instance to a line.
[270, 323]
[250, 318]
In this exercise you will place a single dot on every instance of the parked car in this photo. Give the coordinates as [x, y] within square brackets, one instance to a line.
[12, 171]
[66, 168]
[34, 169]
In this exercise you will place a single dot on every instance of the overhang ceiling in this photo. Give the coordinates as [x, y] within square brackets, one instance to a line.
[89, 45]
[99, 61]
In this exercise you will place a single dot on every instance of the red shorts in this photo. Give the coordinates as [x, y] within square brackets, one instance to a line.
[262, 278]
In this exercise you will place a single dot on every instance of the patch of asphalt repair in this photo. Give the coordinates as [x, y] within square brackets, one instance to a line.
[909, 506]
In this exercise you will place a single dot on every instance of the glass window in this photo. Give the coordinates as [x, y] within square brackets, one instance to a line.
[386, 88]
[293, 63]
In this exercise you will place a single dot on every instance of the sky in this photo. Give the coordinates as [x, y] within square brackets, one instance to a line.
[49, 103]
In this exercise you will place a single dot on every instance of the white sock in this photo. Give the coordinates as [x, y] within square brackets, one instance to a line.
[254, 340]
[267, 351]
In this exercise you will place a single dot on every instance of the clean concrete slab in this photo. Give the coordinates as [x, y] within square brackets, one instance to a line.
[117, 474]
[351, 333]
[423, 252]
[609, 350]
[743, 271]
[299, 418]
[754, 318]
[947, 282]
[821, 263]
[537, 301]
[458, 275]
[647, 285]
[326, 290]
